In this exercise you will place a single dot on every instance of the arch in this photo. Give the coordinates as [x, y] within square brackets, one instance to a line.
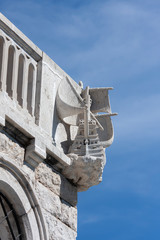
[20, 78]
[11, 53]
[17, 189]
[1, 57]
[31, 74]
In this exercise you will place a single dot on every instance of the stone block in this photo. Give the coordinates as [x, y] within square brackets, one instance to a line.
[48, 177]
[29, 175]
[58, 230]
[48, 200]
[11, 149]
[56, 183]
[69, 215]
[51, 202]
[68, 192]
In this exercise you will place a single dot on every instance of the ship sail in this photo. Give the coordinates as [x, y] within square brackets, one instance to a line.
[76, 106]
[69, 103]
[100, 100]
[105, 137]
[74, 103]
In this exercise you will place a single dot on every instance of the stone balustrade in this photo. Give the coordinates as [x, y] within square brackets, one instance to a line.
[18, 72]
[28, 83]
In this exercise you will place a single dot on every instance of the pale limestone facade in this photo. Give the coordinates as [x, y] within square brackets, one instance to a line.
[46, 154]
[44, 200]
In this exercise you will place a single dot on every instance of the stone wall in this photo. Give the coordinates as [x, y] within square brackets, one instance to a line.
[56, 197]
[58, 201]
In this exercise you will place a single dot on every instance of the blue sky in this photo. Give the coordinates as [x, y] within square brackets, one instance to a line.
[110, 43]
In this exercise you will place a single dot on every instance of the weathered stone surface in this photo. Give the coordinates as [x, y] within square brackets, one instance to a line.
[49, 192]
[58, 230]
[29, 175]
[18, 191]
[56, 183]
[68, 192]
[54, 206]
[69, 215]
[12, 149]
[48, 177]
[48, 200]
[85, 171]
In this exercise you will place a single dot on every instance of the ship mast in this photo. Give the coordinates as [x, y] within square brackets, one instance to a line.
[86, 113]
[86, 118]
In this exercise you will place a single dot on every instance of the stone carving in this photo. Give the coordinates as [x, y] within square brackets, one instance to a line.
[52, 137]
[73, 138]
[78, 107]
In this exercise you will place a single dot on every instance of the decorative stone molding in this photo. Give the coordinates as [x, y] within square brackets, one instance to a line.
[15, 186]
[35, 153]
[81, 108]
[85, 171]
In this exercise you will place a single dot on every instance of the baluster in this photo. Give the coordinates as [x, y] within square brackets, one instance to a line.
[33, 90]
[25, 83]
[15, 74]
[1, 56]
[10, 67]
[4, 65]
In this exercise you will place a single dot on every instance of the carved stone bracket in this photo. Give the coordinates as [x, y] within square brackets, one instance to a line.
[85, 171]
[35, 153]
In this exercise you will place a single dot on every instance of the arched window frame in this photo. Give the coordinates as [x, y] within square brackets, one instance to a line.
[6, 217]
[14, 183]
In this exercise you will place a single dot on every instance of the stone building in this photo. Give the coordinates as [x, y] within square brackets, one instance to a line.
[51, 141]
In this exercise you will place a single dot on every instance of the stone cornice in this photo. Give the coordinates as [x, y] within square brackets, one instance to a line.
[20, 38]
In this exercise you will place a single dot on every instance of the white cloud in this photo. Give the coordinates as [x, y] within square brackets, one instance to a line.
[90, 219]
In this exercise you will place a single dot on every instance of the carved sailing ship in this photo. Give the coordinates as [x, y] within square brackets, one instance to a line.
[83, 108]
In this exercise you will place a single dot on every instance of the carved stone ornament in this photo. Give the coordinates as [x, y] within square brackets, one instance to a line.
[83, 108]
